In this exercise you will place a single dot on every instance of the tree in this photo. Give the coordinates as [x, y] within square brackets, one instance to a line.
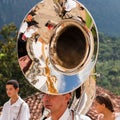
[108, 63]
[9, 67]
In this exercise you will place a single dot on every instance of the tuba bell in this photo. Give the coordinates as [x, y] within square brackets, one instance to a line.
[57, 50]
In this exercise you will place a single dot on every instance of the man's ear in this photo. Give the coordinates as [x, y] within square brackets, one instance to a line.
[17, 89]
[68, 97]
[103, 105]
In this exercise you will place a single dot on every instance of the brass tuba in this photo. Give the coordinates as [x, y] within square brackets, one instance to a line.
[57, 50]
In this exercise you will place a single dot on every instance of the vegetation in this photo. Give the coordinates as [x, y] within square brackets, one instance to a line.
[9, 68]
[108, 64]
[106, 13]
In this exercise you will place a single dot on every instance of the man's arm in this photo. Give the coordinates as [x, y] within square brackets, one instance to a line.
[3, 114]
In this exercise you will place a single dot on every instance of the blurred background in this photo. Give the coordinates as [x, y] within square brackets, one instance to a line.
[106, 14]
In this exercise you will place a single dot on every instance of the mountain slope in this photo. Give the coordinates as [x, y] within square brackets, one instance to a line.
[105, 12]
[14, 10]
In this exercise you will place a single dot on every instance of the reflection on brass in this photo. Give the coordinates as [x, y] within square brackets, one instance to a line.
[50, 79]
[83, 96]
[60, 39]
[58, 49]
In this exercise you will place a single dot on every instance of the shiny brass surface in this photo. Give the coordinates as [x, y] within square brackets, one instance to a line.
[58, 47]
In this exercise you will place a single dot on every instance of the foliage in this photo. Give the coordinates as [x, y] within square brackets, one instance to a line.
[106, 13]
[9, 68]
[108, 64]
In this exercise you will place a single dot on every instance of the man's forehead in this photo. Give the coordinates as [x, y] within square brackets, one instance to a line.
[9, 85]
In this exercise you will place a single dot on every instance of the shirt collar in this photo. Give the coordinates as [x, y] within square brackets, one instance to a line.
[17, 103]
[65, 115]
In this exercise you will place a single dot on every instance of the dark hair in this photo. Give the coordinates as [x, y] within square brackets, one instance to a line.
[104, 99]
[14, 83]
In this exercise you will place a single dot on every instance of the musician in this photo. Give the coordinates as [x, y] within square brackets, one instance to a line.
[58, 106]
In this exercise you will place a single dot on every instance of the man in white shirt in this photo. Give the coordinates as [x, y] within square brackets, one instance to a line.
[58, 106]
[15, 108]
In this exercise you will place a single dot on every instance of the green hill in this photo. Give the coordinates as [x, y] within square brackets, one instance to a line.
[105, 12]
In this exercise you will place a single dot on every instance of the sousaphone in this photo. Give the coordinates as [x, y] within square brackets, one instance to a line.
[57, 50]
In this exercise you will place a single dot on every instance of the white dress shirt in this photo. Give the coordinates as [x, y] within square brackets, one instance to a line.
[10, 112]
[67, 115]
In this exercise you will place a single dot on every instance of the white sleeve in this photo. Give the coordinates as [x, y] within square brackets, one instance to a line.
[3, 115]
[25, 113]
[118, 118]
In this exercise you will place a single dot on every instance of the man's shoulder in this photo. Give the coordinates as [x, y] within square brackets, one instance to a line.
[25, 104]
[22, 102]
[85, 117]
[117, 116]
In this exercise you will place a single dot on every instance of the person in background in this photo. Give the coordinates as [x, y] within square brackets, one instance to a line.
[15, 108]
[104, 107]
[58, 106]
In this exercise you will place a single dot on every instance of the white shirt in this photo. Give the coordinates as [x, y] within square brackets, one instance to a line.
[69, 5]
[67, 115]
[117, 116]
[101, 116]
[10, 112]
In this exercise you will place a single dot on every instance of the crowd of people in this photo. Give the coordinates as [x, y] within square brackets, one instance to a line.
[17, 109]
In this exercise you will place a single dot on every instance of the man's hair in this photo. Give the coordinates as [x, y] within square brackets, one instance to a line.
[105, 99]
[14, 83]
